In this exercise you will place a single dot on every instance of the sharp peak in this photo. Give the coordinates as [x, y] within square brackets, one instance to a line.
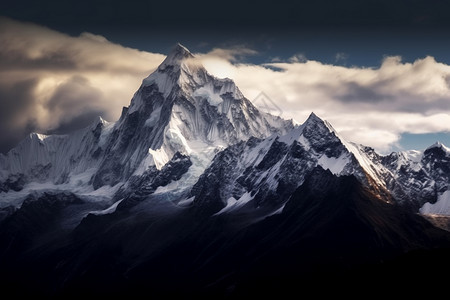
[180, 51]
[180, 48]
[99, 120]
[314, 118]
[178, 54]
[313, 115]
[438, 144]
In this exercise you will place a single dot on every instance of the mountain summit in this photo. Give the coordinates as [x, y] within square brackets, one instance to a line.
[181, 108]
[178, 54]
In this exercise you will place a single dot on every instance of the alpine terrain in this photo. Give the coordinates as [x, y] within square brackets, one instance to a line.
[195, 192]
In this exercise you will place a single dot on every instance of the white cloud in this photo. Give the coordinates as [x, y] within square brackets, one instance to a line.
[372, 106]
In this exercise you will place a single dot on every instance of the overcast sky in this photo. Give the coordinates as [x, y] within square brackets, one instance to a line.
[378, 71]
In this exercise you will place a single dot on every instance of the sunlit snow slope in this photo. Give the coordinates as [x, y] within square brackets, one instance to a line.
[179, 108]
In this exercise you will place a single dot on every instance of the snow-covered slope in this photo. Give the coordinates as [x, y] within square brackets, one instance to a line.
[420, 176]
[258, 176]
[440, 207]
[179, 109]
[263, 173]
[55, 159]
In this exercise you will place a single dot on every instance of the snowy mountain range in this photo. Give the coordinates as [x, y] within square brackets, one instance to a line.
[179, 108]
[194, 164]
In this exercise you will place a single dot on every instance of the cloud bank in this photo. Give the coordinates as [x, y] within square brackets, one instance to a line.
[371, 106]
[52, 82]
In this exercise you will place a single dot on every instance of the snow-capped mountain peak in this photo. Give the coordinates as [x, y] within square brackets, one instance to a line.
[261, 173]
[313, 125]
[322, 138]
[179, 69]
[182, 108]
[313, 119]
[439, 145]
[314, 122]
[176, 57]
[327, 139]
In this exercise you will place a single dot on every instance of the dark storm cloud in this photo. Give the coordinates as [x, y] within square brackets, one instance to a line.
[27, 46]
[74, 96]
[79, 121]
[356, 92]
[73, 105]
[52, 82]
[360, 96]
[49, 59]
[14, 99]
